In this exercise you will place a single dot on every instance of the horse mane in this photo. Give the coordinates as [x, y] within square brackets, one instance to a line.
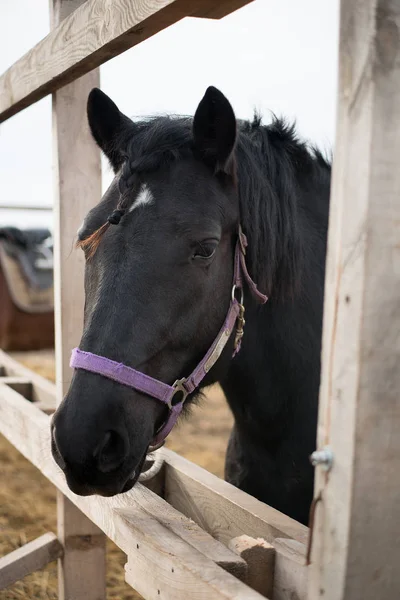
[273, 167]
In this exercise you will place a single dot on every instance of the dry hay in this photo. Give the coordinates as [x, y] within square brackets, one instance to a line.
[27, 499]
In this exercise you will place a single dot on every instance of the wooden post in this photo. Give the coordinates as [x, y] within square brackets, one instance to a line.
[77, 189]
[356, 550]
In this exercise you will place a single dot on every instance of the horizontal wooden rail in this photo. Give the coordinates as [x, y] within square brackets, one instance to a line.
[95, 32]
[25, 207]
[226, 512]
[40, 390]
[22, 385]
[222, 509]
[31, 557]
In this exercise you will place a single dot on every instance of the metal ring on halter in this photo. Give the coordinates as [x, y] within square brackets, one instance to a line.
[179, 387]
[234, 288]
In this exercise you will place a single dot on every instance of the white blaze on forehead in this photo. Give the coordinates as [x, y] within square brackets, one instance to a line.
[144, 197]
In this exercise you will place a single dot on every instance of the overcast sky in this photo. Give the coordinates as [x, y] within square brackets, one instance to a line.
[272, 55]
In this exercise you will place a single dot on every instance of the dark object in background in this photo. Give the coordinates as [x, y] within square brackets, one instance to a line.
[26, 289]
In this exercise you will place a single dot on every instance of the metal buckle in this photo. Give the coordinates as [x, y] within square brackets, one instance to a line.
[179, 388]
[240, 322]
[239, 327]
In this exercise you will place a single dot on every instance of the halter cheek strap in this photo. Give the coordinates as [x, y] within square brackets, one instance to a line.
[174, 396]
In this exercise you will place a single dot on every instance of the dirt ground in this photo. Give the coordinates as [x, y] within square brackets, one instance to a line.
[27, 499]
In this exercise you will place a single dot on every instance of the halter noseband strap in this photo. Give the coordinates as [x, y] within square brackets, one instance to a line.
[174, 396]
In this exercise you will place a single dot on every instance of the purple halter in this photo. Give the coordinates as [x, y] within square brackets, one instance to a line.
[174, 396]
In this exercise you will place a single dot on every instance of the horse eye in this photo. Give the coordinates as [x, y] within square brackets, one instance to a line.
[205, 250]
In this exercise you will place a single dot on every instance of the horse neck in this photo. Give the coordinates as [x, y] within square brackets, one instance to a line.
[275, 377]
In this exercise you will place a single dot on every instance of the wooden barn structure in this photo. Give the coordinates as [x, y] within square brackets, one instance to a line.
[186, 533]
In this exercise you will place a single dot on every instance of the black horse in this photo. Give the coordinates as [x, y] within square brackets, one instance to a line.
[160, 251]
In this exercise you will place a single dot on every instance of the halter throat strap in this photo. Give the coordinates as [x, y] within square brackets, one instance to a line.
[174, 396]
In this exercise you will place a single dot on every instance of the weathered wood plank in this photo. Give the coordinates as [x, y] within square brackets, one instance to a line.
[218, 10]
[221, 509]
[170, 569]
[31, 557]
[95, 32]
[260, 558]
[77, 187]
[226, 512]
[291, 572]
[28, 430]
[22, 385]
[356, 551]
[42, 390]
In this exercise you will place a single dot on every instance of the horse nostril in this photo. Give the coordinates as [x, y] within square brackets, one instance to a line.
[111, 452]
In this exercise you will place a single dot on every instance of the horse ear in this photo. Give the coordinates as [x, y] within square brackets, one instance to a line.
[214, 130]
[106, 124]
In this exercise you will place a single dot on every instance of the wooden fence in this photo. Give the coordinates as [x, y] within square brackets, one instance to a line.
[189, 534]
